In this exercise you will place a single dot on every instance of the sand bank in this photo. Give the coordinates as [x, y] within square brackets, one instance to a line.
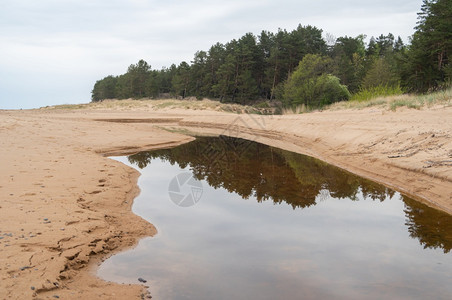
[65, 205]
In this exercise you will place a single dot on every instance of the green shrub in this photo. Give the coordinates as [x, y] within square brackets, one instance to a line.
[330, 90]
[311, 85]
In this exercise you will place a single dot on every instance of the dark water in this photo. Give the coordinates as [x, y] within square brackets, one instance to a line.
[270, 224]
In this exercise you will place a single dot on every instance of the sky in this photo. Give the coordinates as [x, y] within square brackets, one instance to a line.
[53, 51]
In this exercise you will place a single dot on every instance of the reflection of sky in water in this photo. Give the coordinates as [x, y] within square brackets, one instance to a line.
[226, 247]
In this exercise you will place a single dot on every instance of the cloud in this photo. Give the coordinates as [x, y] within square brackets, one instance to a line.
[50, 47]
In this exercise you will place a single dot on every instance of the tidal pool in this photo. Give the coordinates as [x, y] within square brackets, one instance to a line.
[241, 220]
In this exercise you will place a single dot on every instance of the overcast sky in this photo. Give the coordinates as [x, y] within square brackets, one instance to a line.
[53, 51]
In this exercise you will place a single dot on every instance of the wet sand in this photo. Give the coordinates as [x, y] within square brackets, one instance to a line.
[66, 206]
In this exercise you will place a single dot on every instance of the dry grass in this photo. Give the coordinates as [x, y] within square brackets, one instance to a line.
[299, 109]
[441, 98]
[166, 104]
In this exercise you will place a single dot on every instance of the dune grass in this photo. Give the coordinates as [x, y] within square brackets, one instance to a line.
[443, 98]
[376, 92]
[390, 102]
[163, 104]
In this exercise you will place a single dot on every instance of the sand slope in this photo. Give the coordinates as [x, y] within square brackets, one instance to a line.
[65, 206]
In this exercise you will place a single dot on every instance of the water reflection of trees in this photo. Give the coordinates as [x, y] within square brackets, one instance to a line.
[253, 169]
[432, 228]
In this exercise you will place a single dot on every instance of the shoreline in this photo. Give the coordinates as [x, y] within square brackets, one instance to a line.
[54, 167]
[71, 204]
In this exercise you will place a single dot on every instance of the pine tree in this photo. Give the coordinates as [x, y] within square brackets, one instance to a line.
[428, 59]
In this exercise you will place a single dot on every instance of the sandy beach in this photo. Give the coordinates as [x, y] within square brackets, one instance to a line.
[66, 206]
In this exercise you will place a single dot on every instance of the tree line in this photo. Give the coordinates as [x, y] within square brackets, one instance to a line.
[300, 66]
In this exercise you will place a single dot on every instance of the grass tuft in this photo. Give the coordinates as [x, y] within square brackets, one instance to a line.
[377, 92]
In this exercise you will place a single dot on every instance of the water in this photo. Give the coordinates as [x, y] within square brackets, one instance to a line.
[257, 222]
